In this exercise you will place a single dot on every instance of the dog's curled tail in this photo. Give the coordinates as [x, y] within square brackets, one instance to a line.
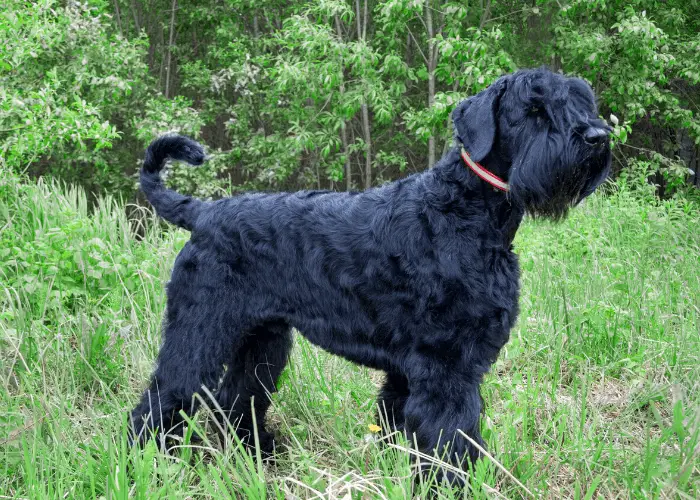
[174, 207]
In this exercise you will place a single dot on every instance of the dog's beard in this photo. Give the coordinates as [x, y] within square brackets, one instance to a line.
[598, 171]
[549, 177]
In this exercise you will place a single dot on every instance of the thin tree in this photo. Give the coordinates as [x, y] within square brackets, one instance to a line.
[361, 35]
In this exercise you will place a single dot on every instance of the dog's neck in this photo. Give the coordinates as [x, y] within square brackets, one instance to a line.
[503, 215]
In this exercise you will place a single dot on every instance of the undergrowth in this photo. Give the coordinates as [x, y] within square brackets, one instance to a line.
[597, 392]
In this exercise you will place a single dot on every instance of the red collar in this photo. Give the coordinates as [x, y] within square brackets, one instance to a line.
[487, 176]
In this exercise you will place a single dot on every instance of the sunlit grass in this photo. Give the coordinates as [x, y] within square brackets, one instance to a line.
[597, 393]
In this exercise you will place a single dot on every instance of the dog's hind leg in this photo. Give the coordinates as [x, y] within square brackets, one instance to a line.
[392, 401]
[196, 344]
[184, 366]
[253, 373]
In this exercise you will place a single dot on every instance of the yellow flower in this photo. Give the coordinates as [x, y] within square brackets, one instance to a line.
[374, 428]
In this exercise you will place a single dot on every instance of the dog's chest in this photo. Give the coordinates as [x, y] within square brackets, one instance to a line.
[474, 284]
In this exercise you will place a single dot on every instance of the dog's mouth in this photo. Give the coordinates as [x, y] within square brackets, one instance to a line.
[598, 167]
[553, 180]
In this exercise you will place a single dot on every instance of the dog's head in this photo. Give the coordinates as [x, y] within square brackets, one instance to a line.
[541, 131]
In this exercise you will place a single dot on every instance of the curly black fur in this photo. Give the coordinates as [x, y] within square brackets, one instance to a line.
[416, 278]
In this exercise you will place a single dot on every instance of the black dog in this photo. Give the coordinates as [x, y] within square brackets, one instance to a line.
[416, 278]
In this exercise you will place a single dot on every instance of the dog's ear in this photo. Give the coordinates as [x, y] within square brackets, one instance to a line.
[475, 120]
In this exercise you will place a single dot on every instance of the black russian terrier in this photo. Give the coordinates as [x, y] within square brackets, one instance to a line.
[416, 278]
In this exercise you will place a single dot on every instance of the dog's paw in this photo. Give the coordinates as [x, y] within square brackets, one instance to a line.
[266, 442]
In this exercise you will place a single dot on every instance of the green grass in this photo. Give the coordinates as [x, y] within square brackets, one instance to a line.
[597, 393]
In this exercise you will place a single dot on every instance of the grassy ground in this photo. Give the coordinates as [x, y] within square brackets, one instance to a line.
[596, 395]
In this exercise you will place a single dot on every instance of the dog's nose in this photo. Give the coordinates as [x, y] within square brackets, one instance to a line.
[595, 135]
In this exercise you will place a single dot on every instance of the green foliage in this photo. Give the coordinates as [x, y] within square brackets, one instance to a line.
[59, 85]
[469, 64]
[290, 95]
[644, 61]
[63, 260]
[635, 54]
[163, 116]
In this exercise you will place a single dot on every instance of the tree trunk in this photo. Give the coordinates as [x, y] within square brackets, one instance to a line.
[450, 138]
[485, 14]
[407, 55]
[348, 166]
[135, 12]
[159, 47]
[364, 23]
[368, 144]
[117, 14]
[318, 172]
[343, 129]
[168, 68]
[432, 63]
[365, 112]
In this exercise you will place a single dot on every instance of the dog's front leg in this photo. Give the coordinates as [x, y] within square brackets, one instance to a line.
[392, 401]
[438, 407]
